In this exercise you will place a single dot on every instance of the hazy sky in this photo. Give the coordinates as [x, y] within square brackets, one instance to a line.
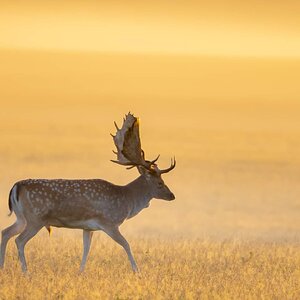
[255, 28]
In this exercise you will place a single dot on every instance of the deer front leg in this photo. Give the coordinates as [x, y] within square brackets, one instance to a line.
[115, 234]
[87, 238]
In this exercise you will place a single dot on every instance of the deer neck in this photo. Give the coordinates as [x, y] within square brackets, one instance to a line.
[139, 195]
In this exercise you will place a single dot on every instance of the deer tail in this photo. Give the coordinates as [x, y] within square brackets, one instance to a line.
[13, 198]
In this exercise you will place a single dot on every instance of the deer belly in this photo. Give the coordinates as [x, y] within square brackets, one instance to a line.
[89, 224]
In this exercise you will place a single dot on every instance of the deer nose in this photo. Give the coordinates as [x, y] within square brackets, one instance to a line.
[172, 196]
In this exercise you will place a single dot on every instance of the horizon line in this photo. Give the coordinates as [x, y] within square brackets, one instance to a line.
[150, 53]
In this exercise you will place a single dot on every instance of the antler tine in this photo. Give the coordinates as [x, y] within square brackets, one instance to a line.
[131, 167]
[116, 125]
[122, 163]
[155, 160]
[173, 164]
[143, 154]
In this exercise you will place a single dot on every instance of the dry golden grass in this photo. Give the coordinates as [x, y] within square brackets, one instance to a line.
[170, 269]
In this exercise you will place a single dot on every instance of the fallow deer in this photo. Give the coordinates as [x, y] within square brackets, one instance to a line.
[91, 204]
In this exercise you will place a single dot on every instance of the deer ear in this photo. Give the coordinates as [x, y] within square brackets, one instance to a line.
[143, 171]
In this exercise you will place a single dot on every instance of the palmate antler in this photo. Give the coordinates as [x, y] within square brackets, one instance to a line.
[128, 143]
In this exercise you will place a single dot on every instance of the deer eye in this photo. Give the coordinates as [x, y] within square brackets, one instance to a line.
[160, 185]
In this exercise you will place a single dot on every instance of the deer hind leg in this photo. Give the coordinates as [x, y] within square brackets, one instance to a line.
[7, 234]
[87, 238]
[115, 234]
[29, 232]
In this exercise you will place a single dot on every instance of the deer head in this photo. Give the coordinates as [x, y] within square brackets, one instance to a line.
[129, 153]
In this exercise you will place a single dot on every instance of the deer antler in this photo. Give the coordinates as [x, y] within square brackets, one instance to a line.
[128, 143]
[173, 164]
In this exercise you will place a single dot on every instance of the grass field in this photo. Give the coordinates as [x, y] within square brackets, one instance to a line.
[170, 269]
[233, 123]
